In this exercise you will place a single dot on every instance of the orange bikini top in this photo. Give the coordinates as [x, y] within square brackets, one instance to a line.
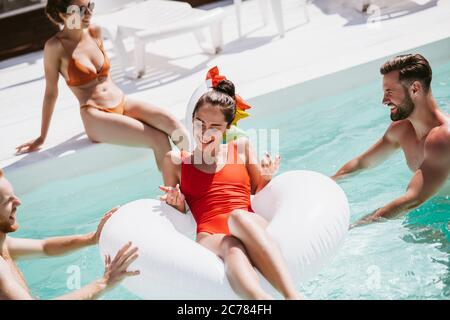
[79, 74]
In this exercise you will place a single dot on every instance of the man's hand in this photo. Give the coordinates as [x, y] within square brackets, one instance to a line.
[174, 197]
[30, 146]
[116, 270]
[374, 155]
[96, 234]
[367, 220]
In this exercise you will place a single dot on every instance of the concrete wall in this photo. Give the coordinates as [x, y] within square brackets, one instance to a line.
[25, 32]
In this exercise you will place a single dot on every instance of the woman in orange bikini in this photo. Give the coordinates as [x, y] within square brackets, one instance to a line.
[216, 182]
[77, 53]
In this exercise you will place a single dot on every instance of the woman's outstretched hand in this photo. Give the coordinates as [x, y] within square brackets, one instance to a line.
[174, 197]
[268, 167]
[117, 269]
[30, 146]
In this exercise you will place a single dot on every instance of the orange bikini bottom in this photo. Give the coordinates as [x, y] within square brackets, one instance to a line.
[119, 109]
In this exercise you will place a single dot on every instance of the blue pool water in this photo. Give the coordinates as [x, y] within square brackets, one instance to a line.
[400, 259]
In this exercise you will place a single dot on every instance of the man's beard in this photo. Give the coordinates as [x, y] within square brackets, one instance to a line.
[404, 110]
[7, 227]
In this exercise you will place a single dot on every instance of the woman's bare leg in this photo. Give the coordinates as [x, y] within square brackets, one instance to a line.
[262, 250]
[118, 129]
[240, 272]
[159, 119]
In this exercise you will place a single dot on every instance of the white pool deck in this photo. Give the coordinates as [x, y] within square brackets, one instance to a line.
[260, 62]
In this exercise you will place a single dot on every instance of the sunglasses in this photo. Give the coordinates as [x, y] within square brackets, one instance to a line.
[90, 7]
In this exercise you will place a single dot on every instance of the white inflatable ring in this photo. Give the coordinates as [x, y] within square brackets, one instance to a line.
[309, 218]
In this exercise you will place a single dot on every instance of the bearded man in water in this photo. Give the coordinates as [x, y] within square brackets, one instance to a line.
[12, 283]
[419, 128]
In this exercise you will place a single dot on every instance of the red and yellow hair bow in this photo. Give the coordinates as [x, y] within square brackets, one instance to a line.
[213, 78]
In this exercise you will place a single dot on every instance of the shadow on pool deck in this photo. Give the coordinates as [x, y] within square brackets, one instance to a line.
[391, 11]
[19, 62]
[71, 145]
[161, 71]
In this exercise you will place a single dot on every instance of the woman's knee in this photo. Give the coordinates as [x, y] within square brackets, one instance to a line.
[171, 125]
[158, 140]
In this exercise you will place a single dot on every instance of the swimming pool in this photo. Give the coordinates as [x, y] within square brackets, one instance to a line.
[400, 259]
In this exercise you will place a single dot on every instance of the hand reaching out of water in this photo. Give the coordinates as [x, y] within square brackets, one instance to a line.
[98, 232]
[117, 269]
[174, 197]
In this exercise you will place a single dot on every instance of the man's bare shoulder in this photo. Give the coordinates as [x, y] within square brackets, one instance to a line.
[439, 137]
[437, 144]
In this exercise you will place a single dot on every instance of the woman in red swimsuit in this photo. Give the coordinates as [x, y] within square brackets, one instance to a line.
[77, 53]
[216, 183]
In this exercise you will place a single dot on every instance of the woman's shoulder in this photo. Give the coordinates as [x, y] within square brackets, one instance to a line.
[53, 43]
[242, 144]
[53, 47]
[240, 147]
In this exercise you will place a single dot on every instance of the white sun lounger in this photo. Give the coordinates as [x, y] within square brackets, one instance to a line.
[277, 11]
[152, 20]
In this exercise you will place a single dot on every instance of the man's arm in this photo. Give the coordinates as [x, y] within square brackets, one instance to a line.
[372, 157]
[427, 180]
[20, 248]
[23, 248]
[115, 271]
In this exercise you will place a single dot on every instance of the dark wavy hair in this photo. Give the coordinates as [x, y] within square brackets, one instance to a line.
[54, 8]
[412, 67]
[223, 96]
